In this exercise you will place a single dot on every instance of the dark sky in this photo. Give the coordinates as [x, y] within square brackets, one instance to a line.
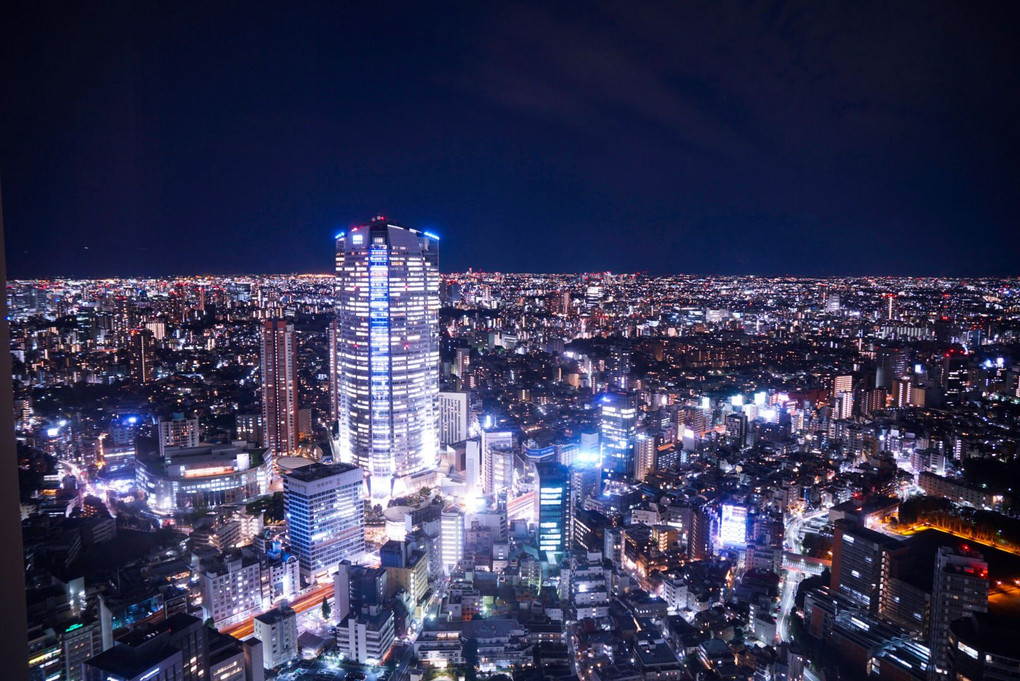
[808, 138]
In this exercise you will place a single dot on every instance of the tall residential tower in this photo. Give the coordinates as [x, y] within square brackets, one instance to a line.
[387, 353]
[279, 388]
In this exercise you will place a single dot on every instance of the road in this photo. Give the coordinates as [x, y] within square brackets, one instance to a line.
[306, 601]
[405, 658]
[795, 531]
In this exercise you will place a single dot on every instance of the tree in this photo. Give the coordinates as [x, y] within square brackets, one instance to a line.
[326, 610]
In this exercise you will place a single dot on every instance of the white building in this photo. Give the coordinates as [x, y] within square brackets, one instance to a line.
[587, 587]
[497, 461]
[231, 587]
[366, 636]
[177, 432]
[452, 540]
[453, 417]
[277, 629]
[281, 577]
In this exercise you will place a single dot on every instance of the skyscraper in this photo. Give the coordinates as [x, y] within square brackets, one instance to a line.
[959, 589]
[859, 559]
[618, 430]
[554, 526]
[279, 387]
[141, 359]
[890, 363]
[387, 352]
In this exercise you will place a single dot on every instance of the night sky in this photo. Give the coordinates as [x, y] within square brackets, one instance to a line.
[760, 138]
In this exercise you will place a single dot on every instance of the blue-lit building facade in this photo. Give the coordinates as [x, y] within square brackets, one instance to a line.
[617, 434]
[554, 515]
[387, 353]
[325, 515]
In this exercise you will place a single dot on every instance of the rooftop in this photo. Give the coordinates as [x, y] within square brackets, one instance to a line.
[319, 471]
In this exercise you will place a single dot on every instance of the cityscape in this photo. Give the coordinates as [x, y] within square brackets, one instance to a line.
[531, 341]
[397, 473]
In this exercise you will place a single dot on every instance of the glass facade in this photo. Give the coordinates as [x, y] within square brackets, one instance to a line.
[554, 528]
[387, 351]
[618, 431]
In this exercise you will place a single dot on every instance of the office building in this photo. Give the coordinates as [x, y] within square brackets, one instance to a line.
[279, 388]
[618, 366]
[341, 591]
[325, 516]
[176, 649]
[697, 523]
[860, 559]
[618, 432]
[462, 363]
[959, 589]
[80, 641]
[736, 428]
[891, 362]
[453, 417]
[554, 528]
[277, 629]
[249, 427]
[334, 372]
[407, 568]
[387, 353]
[157, 662]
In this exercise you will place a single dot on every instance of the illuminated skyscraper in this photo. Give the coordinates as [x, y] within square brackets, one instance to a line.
[279, 387]
[618, 431]
[554, 526]
[387, 353]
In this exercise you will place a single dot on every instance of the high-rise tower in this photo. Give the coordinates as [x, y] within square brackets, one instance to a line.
[279, 387]
[618, 426]
[959, 589]
[387, 352]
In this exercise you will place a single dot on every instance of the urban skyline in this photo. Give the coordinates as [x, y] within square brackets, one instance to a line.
[673, 342]
[703, 137]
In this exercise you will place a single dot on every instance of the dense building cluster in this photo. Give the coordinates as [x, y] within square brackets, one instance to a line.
[391, 472]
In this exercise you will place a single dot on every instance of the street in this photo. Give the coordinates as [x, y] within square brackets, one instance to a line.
[794, 573]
